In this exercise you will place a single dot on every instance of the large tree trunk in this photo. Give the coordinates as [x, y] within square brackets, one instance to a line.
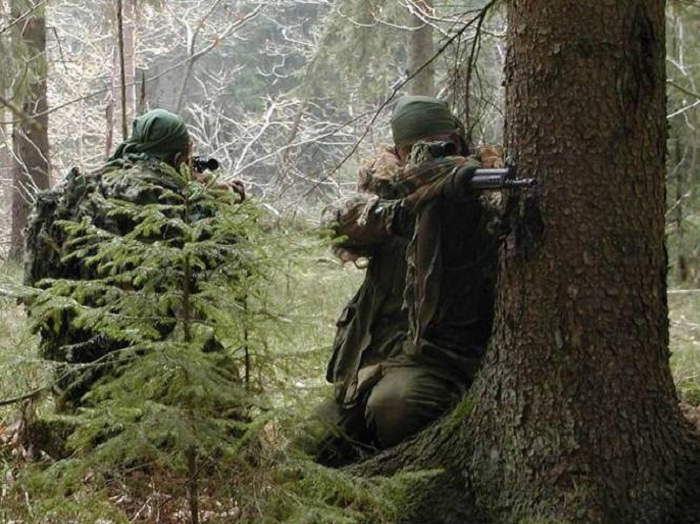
[574, 417]
[577, 412]
[30, 139]
[421, 51]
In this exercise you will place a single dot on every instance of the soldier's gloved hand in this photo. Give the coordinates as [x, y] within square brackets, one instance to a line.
[429, 179]
[457, 186]
[381, 169]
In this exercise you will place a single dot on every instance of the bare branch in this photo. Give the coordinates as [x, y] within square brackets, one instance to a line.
[194, 56]
[23, 16]
[478, 19]
[683, 89]
[21, 115]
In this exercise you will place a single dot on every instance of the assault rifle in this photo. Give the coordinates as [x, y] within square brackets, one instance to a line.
[484, 179]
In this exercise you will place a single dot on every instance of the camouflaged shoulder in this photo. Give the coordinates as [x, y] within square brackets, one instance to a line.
[42, 243]
[378, 173]
[82, 195]
[141, 182]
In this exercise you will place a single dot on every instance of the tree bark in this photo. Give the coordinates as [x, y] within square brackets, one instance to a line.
[421, 50]
[574, 416]
[31, 170]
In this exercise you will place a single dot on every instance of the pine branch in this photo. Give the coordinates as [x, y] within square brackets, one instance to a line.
[26, 396]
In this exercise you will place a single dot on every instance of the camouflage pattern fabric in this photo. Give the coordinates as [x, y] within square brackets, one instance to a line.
[82, 197]
[377, 174]
[452, 263]
[373, 325]
[446, 224]
[447, 287]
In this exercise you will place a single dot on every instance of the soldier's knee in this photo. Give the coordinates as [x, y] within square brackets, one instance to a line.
[405, 401]
[388, 414]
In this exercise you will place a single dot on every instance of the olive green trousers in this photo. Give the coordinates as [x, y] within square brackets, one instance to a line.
[400, 404]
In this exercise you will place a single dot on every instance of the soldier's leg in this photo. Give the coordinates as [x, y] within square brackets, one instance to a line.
[344, 434]
[405, 400]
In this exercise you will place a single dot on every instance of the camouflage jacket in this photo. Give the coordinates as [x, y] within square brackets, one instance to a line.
[374, 325]
[442, 242]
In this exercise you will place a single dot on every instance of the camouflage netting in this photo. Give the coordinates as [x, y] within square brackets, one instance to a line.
[71, 229]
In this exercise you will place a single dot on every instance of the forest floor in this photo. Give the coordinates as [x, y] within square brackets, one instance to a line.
[308, 295]
[311, 297]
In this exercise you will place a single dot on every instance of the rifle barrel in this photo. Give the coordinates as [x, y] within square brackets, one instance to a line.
[498, 178]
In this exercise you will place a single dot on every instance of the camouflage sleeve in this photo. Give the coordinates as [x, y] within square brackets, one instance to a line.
[43, 243]
[361, 223]
[443, 177]
[429, 173]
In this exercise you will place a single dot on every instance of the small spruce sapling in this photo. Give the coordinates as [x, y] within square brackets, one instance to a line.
[159, 291]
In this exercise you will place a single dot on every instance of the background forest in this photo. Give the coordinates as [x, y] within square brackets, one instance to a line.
[289, 96]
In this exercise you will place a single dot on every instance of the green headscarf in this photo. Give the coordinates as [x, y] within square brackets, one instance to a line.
[416, 117]
[158, 134]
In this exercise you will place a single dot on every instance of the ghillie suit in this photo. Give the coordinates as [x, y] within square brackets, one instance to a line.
[119, 252]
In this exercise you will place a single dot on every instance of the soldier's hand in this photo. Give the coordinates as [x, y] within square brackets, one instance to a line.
[428, 179]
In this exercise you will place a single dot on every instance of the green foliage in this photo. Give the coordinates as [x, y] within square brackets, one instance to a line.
[20, 369]
[311, 494]
[174, 384]
[290, 320]
[170, 297]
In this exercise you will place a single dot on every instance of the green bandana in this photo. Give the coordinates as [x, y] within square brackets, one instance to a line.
[158, 134]
[417, 117]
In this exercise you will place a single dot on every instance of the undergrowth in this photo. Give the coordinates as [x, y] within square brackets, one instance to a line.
[263, 482]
